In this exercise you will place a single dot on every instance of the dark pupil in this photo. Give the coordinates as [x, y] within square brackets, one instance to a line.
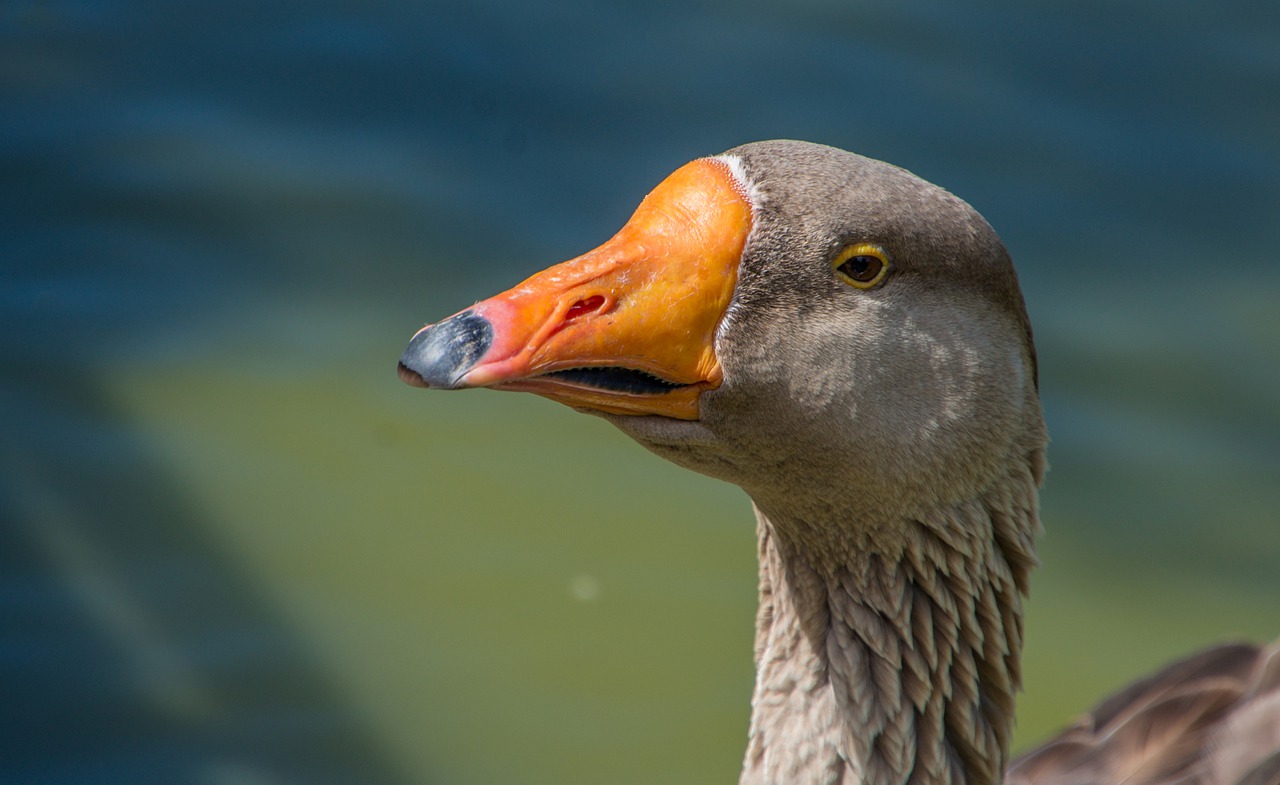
[861, 268]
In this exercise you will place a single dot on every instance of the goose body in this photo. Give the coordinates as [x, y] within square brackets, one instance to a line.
[848, 343]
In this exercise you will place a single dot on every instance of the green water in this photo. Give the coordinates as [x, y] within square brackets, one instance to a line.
[237, 550]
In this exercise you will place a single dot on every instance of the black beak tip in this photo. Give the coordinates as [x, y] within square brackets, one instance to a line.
[410, 376]
[439, 355]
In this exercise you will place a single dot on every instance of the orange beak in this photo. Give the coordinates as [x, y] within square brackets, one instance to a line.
[628, 328]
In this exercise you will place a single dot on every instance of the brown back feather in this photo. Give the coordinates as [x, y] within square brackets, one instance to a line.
[1211, 719]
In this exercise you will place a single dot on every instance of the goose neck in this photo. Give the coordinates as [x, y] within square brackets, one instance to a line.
[891, 659]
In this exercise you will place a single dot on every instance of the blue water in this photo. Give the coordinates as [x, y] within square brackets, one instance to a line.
[234, 549]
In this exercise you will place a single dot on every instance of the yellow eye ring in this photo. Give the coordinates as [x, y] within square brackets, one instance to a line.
[862, 265]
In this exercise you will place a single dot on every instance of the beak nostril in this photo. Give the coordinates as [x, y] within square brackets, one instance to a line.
[584, 307]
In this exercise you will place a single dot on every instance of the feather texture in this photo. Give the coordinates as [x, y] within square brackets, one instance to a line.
[1211, 719]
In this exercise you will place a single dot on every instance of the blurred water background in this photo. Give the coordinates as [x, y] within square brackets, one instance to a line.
[236, 550]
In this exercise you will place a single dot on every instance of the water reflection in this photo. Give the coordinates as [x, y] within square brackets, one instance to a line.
[136, 648]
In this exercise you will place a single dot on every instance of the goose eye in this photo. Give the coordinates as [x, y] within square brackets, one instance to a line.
[862, 265]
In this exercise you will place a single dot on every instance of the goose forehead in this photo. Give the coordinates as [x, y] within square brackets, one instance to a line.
[809, 201]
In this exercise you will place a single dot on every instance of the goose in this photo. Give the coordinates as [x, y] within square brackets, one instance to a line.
[848, 343]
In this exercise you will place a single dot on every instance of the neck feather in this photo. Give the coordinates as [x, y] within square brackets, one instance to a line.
[898, 662]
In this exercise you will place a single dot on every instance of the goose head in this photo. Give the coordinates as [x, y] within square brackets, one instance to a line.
[801, 321]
